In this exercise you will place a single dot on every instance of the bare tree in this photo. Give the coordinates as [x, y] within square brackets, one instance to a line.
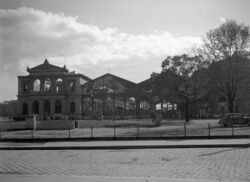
[229, 45]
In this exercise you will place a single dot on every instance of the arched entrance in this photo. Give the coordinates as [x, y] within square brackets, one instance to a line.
[35, 107]
[46, 108]
[72, 107]
[58, 106]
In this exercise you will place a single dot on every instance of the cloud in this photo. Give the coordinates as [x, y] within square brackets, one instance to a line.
[28, 35]
[223, 19]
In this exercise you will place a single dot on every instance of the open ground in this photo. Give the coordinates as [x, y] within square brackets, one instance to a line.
[126, 128]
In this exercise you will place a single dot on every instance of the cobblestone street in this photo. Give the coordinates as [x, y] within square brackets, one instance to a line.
[215, 164]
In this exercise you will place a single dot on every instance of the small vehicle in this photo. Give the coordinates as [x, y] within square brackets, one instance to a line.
[231, 119]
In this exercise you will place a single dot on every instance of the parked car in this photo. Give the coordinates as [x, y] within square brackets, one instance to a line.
[230, 119]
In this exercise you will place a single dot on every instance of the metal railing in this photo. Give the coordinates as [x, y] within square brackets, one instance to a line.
[137, 131]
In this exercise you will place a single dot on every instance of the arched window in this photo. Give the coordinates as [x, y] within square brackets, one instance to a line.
[46, 107]
[25, 87]
[72, 86]
[59, 85]
[58, 106]
[25, 108]
[35, 107]
[36, 85]
[47, 85]
[72, 107]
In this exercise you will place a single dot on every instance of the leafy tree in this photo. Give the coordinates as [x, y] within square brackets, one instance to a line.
[177, 79]
[229, 45]
[161, 88]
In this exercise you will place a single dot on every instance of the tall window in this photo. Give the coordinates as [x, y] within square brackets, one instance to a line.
[72, 86]
[25, 87]
[35, 107]
[58, 106]
[72, 107]
[47, 85]
[36, 85]
[59, 85]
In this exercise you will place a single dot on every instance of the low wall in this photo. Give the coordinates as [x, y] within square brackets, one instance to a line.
[12, 125]
[51, 125]
[31, 121]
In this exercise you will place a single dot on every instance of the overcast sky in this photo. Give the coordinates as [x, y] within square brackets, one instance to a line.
[128, 38]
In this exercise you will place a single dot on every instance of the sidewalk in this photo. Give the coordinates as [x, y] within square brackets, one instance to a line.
[26, 178]
[141, 144]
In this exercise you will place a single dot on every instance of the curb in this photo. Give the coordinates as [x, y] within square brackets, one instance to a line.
[128, 147]
[62, 178]
[122, 138]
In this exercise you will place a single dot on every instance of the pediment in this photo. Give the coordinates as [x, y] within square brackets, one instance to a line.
[46, 67]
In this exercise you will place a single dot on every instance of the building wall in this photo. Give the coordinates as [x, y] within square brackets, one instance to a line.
[67, 92]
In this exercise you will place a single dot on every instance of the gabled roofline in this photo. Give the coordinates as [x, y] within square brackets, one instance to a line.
[84, 77]
[109, 74]
[46, 62]
[130, 83]
[144, 81]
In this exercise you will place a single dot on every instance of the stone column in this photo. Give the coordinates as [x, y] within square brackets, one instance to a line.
[63, 106]
[41, 85]
[52, 107]
[53, 84]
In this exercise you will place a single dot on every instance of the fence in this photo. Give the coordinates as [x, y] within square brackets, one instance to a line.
[182, 130]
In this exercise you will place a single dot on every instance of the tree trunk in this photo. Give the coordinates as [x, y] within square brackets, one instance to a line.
[92, 104]
[231, 105]
[161, 106]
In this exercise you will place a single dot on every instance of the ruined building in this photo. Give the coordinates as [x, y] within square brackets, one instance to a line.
[52, 92]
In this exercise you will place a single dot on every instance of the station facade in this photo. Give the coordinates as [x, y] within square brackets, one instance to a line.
[52, 92]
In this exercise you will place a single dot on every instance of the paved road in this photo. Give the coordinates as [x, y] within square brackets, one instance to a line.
[213, 164]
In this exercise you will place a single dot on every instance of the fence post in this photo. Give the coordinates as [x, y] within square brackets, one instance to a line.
[209, 129]
[232, 130]
[69, 133]
[91, 131]
[138, 135]
[114, 132]
[185, 128]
